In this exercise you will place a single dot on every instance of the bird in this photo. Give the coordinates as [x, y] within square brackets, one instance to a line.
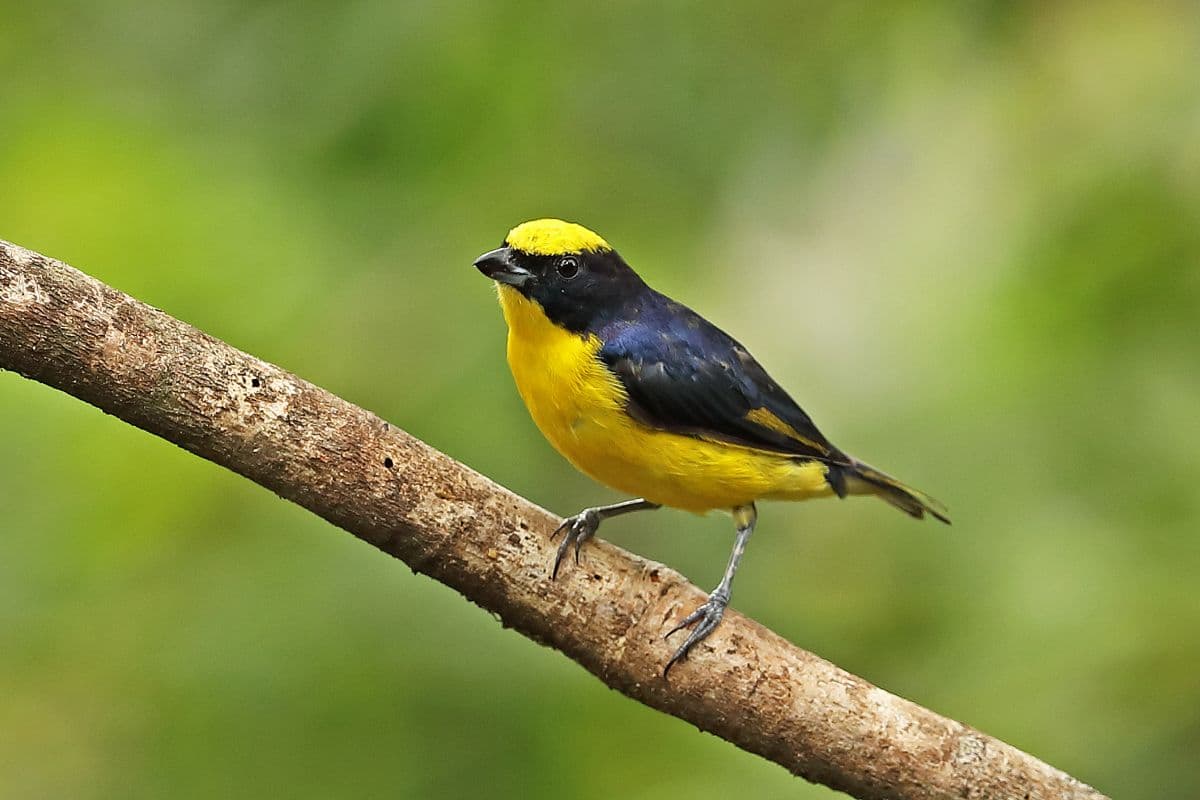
[644, 395]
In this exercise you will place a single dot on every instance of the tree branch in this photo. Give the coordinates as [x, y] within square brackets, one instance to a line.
[744, 684]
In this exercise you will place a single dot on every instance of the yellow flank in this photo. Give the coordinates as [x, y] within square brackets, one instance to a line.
[580, 407]
[553, 237]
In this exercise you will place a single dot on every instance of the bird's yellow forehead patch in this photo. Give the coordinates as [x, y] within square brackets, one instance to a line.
[553, 237]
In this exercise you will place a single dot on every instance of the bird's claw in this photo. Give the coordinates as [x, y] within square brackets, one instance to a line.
[577, 529]
[707, 617]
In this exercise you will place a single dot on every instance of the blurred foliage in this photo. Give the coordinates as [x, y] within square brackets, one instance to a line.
[964, 234]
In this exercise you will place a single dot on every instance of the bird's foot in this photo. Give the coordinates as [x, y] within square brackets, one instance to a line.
[576, 529]
[707, 617]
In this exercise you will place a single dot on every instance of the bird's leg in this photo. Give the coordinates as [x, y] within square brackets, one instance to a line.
[581, 527]
[708, 616]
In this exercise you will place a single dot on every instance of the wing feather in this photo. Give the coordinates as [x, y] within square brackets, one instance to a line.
[687, 376]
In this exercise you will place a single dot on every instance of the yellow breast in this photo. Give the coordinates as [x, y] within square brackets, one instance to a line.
[579, 406]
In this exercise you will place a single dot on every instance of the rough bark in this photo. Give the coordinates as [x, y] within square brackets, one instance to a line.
[744, 684]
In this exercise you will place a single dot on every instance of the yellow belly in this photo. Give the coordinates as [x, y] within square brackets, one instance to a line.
[579, 407]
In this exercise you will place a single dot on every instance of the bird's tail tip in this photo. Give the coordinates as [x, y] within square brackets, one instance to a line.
[865, 479]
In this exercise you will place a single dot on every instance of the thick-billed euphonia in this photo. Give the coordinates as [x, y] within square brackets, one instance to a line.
[646, 396]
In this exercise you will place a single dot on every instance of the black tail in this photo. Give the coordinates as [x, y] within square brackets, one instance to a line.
[862, 478]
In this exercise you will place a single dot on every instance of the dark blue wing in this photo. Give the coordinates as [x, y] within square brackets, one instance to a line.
[685, 375]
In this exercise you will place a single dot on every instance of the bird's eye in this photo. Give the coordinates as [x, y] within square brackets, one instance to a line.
[568, 267]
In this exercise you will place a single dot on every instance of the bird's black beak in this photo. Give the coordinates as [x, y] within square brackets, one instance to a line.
[500, 266]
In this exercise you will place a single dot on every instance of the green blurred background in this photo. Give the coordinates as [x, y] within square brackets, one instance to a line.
[965, 235]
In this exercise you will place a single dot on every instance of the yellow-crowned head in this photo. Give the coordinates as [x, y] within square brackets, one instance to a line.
[554, 237]
[571, 272]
